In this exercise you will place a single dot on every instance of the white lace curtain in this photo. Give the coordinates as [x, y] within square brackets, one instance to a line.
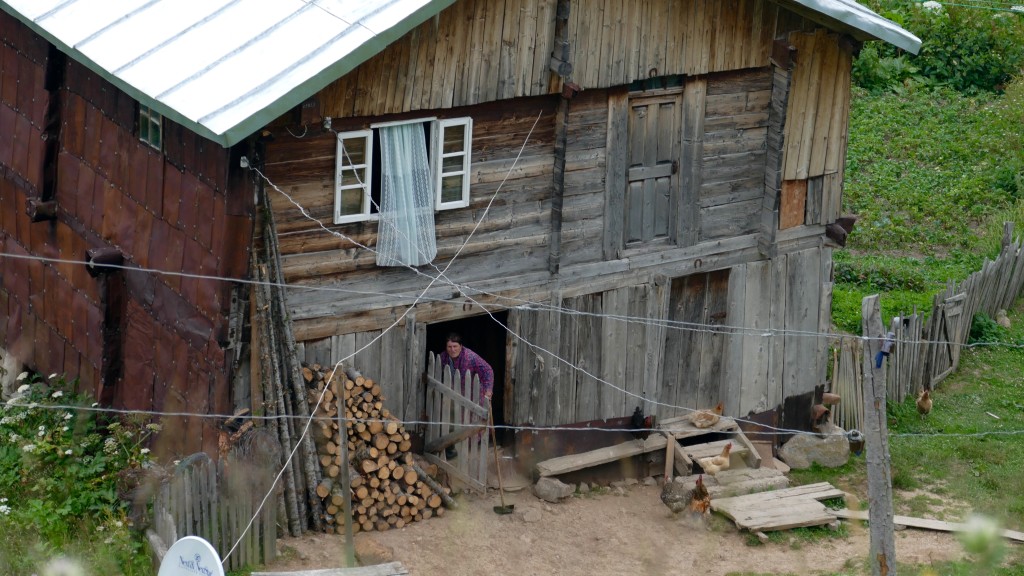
[405, 235]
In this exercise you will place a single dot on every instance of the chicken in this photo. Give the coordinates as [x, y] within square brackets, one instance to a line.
[641, 425]
[714, 464]
[707, 418]
[924, 402]
[679, 498]
[700, 499]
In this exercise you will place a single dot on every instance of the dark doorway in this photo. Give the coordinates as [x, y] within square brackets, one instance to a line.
[487, 337]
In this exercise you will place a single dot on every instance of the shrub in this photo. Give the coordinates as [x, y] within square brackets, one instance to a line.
[967, 48]
[64, 473]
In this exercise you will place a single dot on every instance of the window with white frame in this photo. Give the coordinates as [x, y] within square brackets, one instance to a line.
[362, 170]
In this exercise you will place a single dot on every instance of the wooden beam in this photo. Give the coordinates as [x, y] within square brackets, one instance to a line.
[926, 523]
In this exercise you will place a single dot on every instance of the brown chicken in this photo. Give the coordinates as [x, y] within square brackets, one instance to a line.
[707, 418]
[700, 499]
[714, 464]
[924, 402]
[678, 498]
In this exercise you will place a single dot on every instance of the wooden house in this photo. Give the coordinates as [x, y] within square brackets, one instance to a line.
[630, 202]
[627, 199]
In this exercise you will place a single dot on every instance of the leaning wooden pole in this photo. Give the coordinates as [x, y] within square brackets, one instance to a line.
[883, 546]
[307, 450]
[346, 478]
[271, 377]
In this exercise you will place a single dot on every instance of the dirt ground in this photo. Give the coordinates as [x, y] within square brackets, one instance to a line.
[618, 531]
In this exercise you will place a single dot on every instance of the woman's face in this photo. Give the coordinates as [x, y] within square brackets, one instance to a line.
[454, 349]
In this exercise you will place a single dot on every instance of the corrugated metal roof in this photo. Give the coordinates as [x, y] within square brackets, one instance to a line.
[225, 68]
[861, 19]
[222, 68]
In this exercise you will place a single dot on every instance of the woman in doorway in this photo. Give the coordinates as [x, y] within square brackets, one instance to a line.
[468, 363]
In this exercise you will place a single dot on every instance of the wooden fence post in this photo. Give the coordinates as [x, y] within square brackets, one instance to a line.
[883, 547]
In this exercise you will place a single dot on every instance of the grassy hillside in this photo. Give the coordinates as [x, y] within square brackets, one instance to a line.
[932, 174]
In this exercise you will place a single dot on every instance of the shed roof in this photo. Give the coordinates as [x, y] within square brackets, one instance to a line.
[857, 19]
[225, 68]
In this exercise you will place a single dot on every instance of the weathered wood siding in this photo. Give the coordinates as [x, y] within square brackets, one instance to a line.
[134, 339]
[816, 130]
[733, 152]
[479, 51]
[511, 241]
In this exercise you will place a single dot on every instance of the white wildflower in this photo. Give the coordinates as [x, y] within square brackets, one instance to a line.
[118, 523]
[23, 388]
[67, 416]
[22, 376]
[14, 438]
[100, 528]
[110, 445]
[28, 447]
[144, 451]
[63, 566]
[64, 428]
[5, 420]
[52, 376]
[67, 452]
[2, 500]
[108, 541]
[41, 432]
[57, 394]
[5, 509]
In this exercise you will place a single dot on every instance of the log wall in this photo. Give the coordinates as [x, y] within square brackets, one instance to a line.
[136, 340]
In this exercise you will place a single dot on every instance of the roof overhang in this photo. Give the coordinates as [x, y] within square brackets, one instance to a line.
[856, 20]
[222, 68]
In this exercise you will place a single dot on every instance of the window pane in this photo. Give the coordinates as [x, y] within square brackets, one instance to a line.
[351, 201]
[454, 138]
[451, 188]
[350, 177]
[144, 129]
[154, 131]
[354, 151]
[452, 164]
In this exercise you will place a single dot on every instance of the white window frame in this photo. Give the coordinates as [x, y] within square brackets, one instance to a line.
[342, 162]
[437, 157]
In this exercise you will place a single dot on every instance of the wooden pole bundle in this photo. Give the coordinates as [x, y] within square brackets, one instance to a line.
[388, 487]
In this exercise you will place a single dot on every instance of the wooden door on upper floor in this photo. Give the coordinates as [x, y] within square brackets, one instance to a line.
[652, 177]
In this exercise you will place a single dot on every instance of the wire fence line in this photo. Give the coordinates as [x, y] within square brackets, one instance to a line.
[926, 349]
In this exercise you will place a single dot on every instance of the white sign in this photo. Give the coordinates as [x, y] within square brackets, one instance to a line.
[191, 556]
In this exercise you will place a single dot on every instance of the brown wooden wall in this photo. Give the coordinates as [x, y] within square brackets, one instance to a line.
[171, 212]
[484, 50]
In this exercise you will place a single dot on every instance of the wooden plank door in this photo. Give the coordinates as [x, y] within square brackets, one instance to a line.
[694, 348]
[654, 132]
[945, 358]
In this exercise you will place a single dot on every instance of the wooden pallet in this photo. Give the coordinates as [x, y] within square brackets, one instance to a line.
[780, 509]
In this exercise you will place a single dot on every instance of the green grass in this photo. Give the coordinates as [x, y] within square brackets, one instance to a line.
[958, 459]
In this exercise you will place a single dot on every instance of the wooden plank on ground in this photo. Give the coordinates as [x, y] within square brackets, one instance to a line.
[573, 462]
[926, 523]
[389, 569]
[780, 509]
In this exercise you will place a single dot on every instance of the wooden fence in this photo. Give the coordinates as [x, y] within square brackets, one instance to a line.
[216, 501]
[457, 419]
[927, 350]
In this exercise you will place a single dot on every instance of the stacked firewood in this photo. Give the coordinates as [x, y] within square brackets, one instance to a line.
[389, 487]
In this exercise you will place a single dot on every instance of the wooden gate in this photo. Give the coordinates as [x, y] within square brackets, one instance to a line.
[457, 419]
[948, 330]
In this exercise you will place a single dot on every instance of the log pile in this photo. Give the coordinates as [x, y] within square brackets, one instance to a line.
[389, 487]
